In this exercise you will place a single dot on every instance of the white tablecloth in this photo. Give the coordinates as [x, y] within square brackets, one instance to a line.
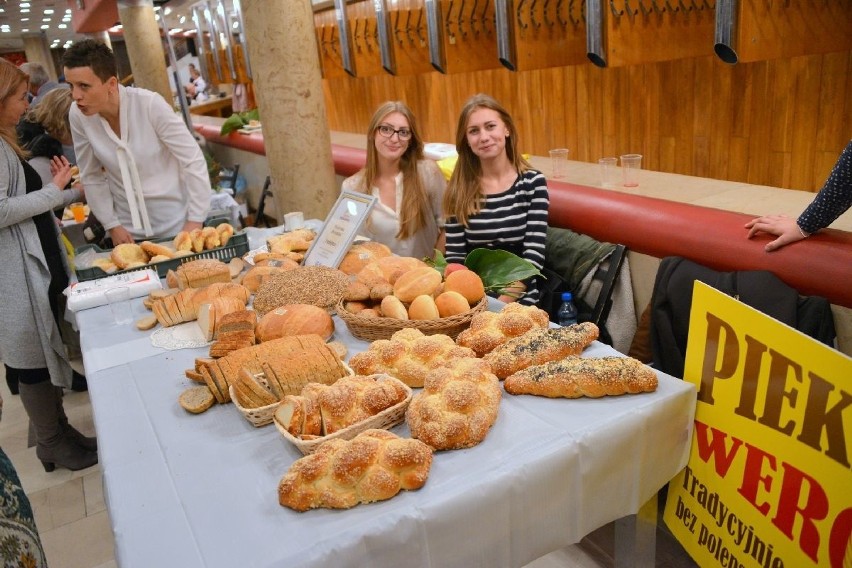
[193, 491]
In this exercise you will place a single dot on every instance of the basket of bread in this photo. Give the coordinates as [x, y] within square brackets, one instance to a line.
[342, 410]
[219, 243]
[394, 293]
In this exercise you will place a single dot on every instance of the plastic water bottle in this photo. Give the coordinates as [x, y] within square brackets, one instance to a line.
[567, 311]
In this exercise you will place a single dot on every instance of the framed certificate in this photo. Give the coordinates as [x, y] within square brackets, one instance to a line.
[339, 230]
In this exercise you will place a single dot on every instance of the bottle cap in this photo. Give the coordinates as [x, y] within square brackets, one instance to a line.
[567, 297]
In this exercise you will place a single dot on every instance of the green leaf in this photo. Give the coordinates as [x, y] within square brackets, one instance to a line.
[499, 268]
[438, 262]
[232, 123]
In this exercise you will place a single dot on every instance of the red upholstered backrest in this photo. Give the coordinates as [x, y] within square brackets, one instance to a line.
[820, 265]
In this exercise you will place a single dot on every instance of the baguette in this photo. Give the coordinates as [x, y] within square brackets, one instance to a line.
[575, 377]
[539, 346]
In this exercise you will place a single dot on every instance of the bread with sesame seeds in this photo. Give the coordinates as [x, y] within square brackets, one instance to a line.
[575, 377]
[374, 466]
[488, 329]
[539, 346]
[457, 406]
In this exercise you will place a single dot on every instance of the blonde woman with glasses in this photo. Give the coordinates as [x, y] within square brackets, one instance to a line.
[409, 188]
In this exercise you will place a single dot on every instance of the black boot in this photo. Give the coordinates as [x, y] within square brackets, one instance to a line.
[78, 382]
[71, 432]
[12, 379]
[55, 446]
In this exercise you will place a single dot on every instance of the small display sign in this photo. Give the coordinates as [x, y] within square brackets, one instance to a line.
[339, 230]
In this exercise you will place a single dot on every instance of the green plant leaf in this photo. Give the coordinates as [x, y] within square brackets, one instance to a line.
[232, 123]
[438, 262]
[499, 268]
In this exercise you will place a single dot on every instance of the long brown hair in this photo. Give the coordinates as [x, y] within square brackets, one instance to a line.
[415, 202]
[463, 196]
[10, 79]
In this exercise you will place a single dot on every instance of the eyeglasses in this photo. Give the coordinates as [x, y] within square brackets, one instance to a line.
[387, 131]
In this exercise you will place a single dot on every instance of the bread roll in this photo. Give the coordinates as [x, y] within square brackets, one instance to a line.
[488, 329]
[451, 304]
[183, 241]
[408, 355]
[373, 466]
[539, 346]
[389, 268]
[361, 254]
[125, 254]
[575, 377]
[226, 231]
[354, 399]
[295, 319]
[416, 282]
[467, 283]
[457, 406]
[392, 307]
[423, 308]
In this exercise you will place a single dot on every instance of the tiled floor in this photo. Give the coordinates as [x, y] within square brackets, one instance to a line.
[74, 524]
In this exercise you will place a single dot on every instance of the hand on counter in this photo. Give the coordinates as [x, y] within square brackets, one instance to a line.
[785, 228]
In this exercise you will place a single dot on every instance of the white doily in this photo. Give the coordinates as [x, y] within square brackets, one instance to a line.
[184, 336]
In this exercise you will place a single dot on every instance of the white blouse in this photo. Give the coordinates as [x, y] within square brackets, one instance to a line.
[383, 224]
[172, 185]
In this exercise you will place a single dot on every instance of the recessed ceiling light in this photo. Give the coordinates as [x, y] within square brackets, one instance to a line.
[182, 19]
[25, 19]
[25, 10]
[45, 19]
[61, 26]
[48, 11]
[45, 27]
[25, 4]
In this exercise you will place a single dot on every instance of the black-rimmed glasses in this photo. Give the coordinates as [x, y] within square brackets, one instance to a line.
[387, 131]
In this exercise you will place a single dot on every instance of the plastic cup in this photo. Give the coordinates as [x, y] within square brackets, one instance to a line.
[609, 171]
[294, 220]
[631, 165]
[119, 304]
[79, 211]
[558, 163]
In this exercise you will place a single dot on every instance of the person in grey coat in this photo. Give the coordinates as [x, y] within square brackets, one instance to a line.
[30, 342]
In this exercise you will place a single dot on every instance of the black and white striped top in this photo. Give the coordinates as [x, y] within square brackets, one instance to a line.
[514, 220]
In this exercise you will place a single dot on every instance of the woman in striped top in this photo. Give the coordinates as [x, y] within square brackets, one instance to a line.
[494, 198]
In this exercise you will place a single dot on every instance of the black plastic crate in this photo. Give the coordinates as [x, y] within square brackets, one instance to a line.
[237, 246]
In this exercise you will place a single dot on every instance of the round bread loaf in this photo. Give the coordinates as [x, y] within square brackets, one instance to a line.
[295, 319]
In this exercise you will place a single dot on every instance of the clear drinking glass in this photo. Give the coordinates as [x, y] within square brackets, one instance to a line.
[631, 165]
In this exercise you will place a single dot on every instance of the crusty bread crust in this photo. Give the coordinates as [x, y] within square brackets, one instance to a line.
[488, 329]
[539, 346]
[575, 377]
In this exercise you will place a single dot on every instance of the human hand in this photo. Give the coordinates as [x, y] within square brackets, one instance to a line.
[191, 225]
[120, 235]
[785, 228]
[60, 169]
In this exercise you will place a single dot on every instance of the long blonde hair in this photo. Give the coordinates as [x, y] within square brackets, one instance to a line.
[51, 113]
[415, 203]
[10, 79]
[463, 196]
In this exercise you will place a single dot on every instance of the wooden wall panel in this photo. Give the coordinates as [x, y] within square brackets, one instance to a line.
[781, 122]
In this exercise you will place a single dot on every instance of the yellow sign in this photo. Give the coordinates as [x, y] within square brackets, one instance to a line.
[769, 480]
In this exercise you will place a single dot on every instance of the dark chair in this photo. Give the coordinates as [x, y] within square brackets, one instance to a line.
[608, 276]
[261, 205]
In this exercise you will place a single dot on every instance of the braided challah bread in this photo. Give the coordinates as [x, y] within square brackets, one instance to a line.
[578, 376]
[539, 346]
[373, 466]
[458, 405]
[408, 355]
[488, 329]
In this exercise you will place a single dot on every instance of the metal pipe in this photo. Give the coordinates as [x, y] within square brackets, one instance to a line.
[243, 37]
[725, 42]
[170, 51]
[345, 45]
[383, 29]
[434, 27]
[505, 34]
[595, 38]
[226, 38]
[199, 41]
[214, 39]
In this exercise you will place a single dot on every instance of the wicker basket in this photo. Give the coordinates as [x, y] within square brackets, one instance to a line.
[370, 329]
[262, 415]
[385, 419]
